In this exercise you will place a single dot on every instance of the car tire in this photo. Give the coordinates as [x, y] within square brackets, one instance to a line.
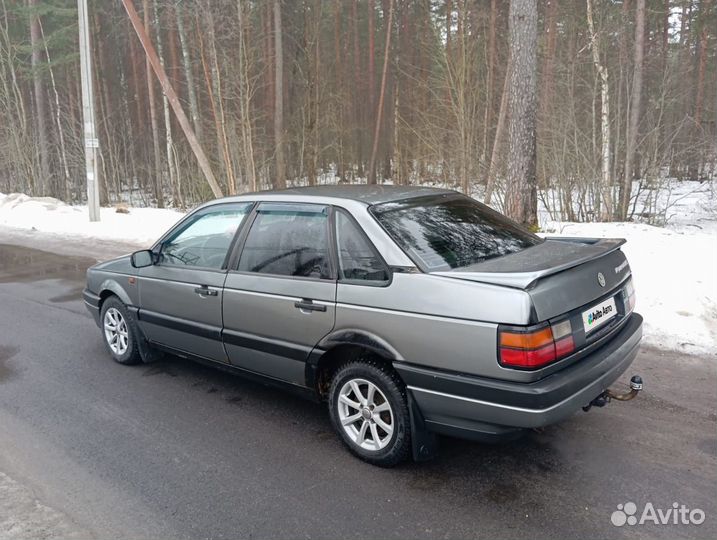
[369, 411]
[119, 332]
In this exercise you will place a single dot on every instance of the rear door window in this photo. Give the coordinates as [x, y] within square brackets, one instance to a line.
[358, 259]
[288, 240]
[453, 231]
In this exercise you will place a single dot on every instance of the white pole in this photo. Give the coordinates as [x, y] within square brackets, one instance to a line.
[88, 114]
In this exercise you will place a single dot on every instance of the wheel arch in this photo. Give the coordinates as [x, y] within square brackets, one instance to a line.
[341, 345]
[110, 287]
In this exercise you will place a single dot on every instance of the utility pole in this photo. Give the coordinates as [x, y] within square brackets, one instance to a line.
[88, 114]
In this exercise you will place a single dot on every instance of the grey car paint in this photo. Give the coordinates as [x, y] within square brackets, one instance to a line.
[442, 409]
[524, 268]
[445, 321]
[264, 308]
[552, 289]
[189, 304]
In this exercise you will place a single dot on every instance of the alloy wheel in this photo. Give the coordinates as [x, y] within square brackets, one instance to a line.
[116, 332]
[365, 414]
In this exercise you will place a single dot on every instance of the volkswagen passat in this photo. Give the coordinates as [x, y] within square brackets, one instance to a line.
[410, 311]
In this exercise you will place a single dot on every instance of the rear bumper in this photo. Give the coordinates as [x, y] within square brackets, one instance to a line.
[92, 303]
[483, 409]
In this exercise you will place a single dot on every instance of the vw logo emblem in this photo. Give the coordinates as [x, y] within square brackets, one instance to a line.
[601, 279]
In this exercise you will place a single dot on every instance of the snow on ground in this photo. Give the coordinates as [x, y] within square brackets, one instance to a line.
[675, 277]
[674, 267]
[46, 214]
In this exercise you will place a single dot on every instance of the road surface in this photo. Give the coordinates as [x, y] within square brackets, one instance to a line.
[90, 448]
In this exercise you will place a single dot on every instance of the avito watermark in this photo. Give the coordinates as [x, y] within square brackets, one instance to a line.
[677, 514]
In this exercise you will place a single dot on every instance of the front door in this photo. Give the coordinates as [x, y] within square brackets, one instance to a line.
[181, 295]
[279, 301]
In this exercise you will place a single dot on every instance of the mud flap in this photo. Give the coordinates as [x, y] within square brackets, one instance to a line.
[424, 442]
[147, 353]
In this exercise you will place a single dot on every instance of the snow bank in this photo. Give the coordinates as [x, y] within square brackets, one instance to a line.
[675, 267]
[46, 214]
[675, 277]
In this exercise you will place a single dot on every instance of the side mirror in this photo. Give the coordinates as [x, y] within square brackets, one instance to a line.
[140, 259]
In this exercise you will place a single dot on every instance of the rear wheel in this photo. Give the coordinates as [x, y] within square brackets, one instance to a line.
[119, 332]
[367, 403]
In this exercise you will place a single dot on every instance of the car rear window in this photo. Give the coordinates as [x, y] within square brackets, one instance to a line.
[445, 232]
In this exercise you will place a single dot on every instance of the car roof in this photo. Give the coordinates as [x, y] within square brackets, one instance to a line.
[368, 194]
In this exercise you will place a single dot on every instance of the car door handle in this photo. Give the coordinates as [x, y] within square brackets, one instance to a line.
[308, 305]
[205, 291]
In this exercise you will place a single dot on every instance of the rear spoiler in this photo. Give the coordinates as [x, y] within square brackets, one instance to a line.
[522, 269]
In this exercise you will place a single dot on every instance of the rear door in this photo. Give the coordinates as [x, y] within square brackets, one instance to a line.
[280, 299]
[181, 295]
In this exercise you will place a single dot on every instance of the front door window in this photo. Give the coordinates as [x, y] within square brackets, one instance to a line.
[205, 240]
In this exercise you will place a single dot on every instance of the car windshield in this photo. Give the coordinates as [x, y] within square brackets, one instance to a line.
[451, 231]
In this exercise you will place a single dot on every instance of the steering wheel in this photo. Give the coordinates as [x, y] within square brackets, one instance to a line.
[263, 264]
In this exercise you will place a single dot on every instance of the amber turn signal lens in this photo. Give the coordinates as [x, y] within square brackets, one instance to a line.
[532, 340]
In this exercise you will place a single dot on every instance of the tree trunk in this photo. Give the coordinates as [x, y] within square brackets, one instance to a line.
[623, 87]
[635, 99]
[371, 57]
[137, 97]
[188, 73]
[449, 24]
[700, 92]
[245, 103]
[604, 205]
[107, 153]
[214, 86]
[358, 108]
[521, 192]
[498, 139]
[173, 175]
[67, 185]
[490, 84]
[280, 173]
[268, 71]
[546, 90]
[379, 110]
[42, 182]
[173, 69]
[158, 189]
[339, 92]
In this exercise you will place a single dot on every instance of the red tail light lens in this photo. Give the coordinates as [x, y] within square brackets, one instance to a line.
[534, 347]
[527, 359]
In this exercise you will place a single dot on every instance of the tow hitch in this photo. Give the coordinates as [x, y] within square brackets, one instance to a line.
[608, 395]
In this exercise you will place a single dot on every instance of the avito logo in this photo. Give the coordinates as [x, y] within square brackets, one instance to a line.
[679, 514]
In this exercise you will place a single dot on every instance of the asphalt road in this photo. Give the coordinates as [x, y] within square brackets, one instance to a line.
[91, 448]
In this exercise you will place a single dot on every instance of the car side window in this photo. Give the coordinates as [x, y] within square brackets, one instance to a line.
[205, 240]
[358, 259]
[288, 240]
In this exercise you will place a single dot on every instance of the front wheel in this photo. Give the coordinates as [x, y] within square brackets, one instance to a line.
[119, 332]
[369, 411]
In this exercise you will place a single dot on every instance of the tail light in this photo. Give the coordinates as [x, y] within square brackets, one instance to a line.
[535, 346]
[629, 296]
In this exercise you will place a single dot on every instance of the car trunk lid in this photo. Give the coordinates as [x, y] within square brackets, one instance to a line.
[560, 274]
